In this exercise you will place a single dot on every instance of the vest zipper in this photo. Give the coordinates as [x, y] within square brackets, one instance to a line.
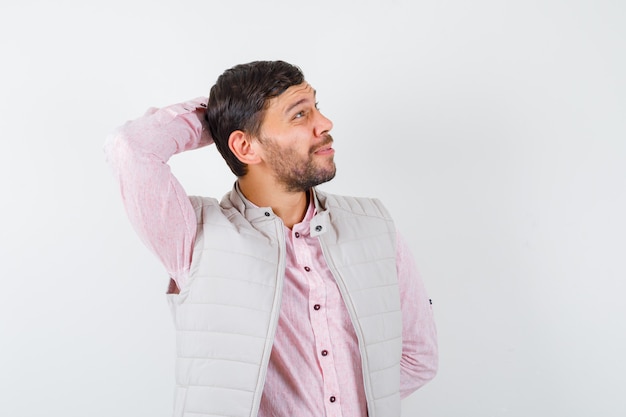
[274, 319]
[357, 328]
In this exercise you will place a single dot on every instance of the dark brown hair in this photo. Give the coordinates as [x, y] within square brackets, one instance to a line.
[239, 98]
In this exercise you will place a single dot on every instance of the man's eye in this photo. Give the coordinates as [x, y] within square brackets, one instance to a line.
[299, 114]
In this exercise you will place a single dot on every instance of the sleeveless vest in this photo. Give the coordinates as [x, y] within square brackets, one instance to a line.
[227, 313]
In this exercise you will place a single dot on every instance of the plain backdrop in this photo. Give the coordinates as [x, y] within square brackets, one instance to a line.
[494, 131]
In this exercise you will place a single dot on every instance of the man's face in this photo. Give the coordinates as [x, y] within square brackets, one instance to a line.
[295, 141]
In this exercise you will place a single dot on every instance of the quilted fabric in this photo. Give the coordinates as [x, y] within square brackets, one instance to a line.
[226, 314]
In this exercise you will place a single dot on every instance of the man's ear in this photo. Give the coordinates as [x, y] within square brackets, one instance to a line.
[242, 145]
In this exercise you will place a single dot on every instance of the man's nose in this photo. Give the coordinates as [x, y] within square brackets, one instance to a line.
[323, 124]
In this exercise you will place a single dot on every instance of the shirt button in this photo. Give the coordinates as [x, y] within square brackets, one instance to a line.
[297, 235]
[267, 214]
[332, 399]
[324, 352]
[317, 307]
[318, 228]
[307, 269]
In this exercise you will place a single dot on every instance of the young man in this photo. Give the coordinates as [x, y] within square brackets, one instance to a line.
[288, 302]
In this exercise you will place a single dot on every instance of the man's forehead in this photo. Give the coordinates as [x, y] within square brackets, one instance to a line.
[293, 93]
[305, 87]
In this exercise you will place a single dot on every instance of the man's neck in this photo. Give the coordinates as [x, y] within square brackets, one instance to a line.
[290, 206]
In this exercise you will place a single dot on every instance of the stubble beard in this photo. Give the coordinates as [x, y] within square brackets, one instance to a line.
[296, 173]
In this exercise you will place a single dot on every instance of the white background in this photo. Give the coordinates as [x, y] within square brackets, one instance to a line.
[494, 131]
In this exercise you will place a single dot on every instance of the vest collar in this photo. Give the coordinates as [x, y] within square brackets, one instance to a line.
[319, 222]
[254, 214]
[250, 211]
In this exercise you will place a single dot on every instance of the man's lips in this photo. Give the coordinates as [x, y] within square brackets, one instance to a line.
[325, 150]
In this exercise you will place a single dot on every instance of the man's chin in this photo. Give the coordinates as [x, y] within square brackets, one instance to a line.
[327, 177]
[302, 185]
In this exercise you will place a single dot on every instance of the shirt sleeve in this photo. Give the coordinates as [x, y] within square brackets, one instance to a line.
[155, 202]
[419, 361]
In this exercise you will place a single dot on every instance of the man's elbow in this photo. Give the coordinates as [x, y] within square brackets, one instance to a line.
[417, 372]
[116, 147]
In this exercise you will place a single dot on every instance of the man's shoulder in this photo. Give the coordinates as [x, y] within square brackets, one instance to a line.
[198, 202]
[205, 205]
[368, 206]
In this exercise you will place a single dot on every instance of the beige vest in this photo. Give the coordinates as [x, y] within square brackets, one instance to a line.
[226, 315]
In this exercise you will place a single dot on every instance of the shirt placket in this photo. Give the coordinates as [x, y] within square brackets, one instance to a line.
[304, 246]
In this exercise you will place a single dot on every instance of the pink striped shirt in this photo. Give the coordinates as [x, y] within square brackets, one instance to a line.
[315, 366]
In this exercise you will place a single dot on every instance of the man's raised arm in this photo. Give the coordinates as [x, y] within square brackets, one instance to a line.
[156, 203]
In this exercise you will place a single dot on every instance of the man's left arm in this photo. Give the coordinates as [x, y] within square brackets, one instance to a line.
[419, 335]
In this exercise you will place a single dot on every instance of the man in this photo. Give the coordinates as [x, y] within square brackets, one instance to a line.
[288, 302]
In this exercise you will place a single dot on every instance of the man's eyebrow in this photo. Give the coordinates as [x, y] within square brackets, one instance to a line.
[299, 102]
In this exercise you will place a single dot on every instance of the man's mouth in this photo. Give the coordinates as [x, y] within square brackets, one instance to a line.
[326, 148]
